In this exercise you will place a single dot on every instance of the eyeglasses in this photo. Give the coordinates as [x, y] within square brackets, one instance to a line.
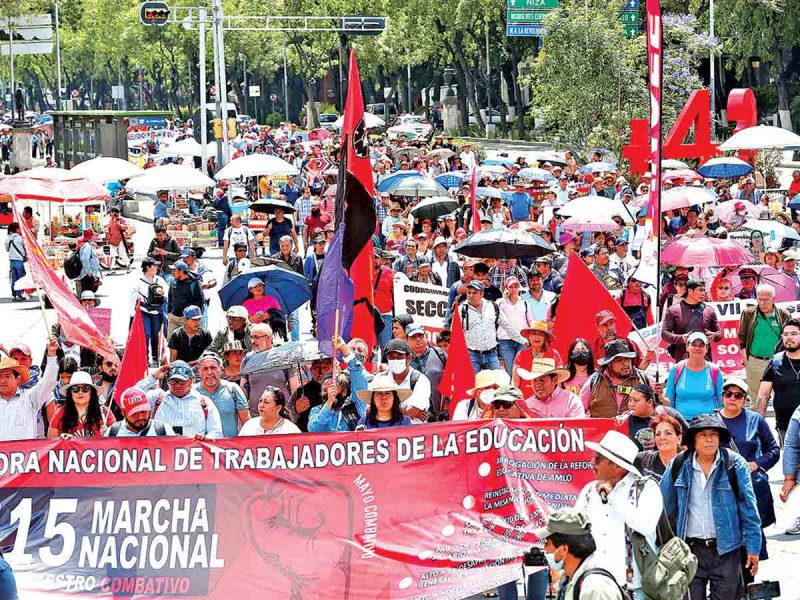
[502, 404]
[81, 389]
[737, 395]
[258, 337]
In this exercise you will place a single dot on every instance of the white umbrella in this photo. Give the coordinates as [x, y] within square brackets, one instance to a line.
[759, 137]
[370, 121]
[169, 177]
[187, 147]
[254, 165]
[672, 163]
[104, 169]
[768, 227]
[589, 207]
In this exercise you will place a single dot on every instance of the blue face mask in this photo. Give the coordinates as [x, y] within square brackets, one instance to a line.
[551, 561]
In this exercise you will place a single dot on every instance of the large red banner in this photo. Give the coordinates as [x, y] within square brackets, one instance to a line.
[436, 511]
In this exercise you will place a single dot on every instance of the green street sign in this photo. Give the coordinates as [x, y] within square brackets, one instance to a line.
[526, 16]
[629, 17]
[631, 31]
[534, 4]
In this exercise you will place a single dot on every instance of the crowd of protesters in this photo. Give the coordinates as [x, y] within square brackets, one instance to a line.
[699, 426]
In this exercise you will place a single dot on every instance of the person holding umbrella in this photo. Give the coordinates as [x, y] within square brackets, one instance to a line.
[276, 228]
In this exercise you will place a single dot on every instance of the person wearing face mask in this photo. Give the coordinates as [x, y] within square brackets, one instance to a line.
[481, 395]
[398, 356]
[618, 502]
[580, 364]
[343, 407]
[570, 548]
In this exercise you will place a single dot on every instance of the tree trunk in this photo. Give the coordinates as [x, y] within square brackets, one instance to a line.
[781, 59]
[520, 109]
[471, 91]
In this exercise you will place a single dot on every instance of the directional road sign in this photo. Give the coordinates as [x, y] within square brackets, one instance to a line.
[631, 5]
[524, 30]
[538, 4]
[631, 31]
[526, 16]
[629, 17]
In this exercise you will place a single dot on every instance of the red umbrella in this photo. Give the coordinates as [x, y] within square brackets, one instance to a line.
[52, 185]
[319, 134]
[704, 251]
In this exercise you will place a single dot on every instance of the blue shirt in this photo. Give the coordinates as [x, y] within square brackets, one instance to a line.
[292, 193]
[520, 204]
[695, 393]
[228, 398]
[700, 511]
[161, 209]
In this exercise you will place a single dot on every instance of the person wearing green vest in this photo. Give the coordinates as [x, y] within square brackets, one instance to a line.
[759, 334]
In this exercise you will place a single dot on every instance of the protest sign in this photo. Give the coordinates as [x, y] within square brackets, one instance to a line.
[438, 511]
[426, 303]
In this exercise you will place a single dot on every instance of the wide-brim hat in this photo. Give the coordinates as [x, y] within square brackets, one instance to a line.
[82, 378]
[619, 449]
[486, 378]
[9, 363]
[539, 326]
[382, 383]
[702, 422]
[616, 349]
[541, 367]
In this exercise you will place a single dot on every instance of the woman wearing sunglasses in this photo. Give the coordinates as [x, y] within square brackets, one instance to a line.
[752, 438]
[83, 414]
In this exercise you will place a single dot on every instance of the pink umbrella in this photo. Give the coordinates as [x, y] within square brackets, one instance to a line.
[684, 197]
[319, 134]
[594, 223]
[726, 210]
[704, 251]
[52, 185]
[682, 174]
[783, 284]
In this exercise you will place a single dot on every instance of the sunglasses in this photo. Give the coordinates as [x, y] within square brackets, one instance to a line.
[725, 287]
[81, 389]
[502, 404]
[737, 395]
[747, 278]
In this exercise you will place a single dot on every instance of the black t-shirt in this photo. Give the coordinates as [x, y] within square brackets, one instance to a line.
[649, 463]
[786, 386]
[189, 348]
[639, 427]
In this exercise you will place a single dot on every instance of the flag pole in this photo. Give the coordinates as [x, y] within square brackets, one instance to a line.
[47, 330]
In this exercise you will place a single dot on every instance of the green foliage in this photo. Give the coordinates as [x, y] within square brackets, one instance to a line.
[274, 119]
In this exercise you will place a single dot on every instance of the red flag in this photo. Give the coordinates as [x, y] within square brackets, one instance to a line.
[582, 297]
[473, 201]
[458, 376]
[134, 362]
[364, 313]
[76, 324]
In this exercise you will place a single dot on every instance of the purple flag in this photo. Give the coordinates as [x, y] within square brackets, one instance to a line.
[334, 291]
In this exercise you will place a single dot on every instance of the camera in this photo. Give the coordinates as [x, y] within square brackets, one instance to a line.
[534, 558]
[764, 590]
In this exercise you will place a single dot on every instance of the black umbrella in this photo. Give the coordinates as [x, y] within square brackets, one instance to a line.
[504, 243]
[269, 205]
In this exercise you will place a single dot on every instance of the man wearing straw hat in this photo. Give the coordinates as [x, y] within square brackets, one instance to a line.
[19, 408]
[617, 504]
[548, 399]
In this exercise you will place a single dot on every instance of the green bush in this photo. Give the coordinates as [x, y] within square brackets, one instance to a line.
[274, 119]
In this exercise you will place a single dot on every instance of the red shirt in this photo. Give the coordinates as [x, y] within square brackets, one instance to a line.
[524, 360]
[384, 290]
[316, 222]
[79, 431]
[794, 189]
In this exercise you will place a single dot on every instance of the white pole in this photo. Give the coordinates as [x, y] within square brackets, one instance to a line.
[488, 83]
[201, 14]
[408, 77]
[223, 94]
[285, 80]
[11, 57]
[711, 65]
[58, 59]
[217, 83]
[244, 92]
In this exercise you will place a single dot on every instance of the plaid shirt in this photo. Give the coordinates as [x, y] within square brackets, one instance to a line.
[381, 210]
[499, 273]
[303, 206]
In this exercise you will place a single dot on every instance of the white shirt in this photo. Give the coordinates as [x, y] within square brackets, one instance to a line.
[518, 317]
[253, 427]
[609, 520]
[468, 160]
[18, 413]
[239, 235]
[420, 394]
[440, 268]
[140, 292]
[463, 412]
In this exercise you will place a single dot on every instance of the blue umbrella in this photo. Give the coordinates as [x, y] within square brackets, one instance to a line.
[725, 167]
[594, 167]
[450, 180]
[415, 186]
[536, 174]
[384, 185]
[499, 161]
[289, 288]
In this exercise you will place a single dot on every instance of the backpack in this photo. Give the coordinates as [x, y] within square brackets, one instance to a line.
[73, 265]
[154, 298]
[678, 461]
[665, 574]
[679, 367]
[576, 591]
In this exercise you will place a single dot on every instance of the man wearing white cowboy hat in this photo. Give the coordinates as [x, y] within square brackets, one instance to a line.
[548, 399]
[616, 504]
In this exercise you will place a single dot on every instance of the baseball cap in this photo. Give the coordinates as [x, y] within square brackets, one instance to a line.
[566, 521]
[397, 346]
[695, 336]
[511, 281]
[237, 312]
[439, 240]
[414, 329]
[187, 252]
[477, 285]
[179, 370]
[544, 260]
[192, 312]
[253, 282]
[24, 348]
[603, 317]
[135, 401]
[486, 219]
[179, 265]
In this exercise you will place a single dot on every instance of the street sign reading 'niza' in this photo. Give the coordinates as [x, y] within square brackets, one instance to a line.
[540, 4]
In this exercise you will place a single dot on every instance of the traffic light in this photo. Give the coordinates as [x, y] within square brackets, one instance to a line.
[217, 129]
[231, 128]
[363, 25]
[154, 12]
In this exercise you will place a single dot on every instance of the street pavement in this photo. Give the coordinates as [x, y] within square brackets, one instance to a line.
[24, 322]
